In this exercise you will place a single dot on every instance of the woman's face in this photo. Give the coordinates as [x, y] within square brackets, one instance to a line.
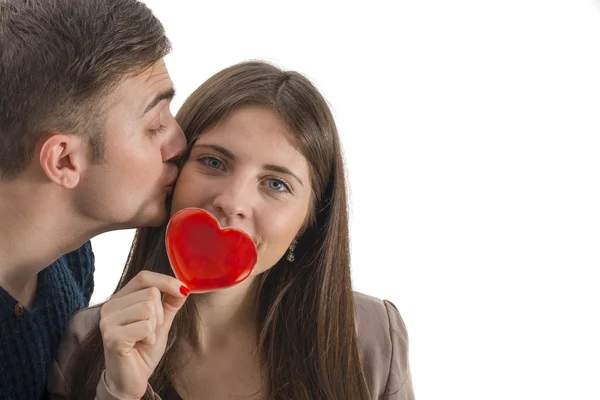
[246, 172]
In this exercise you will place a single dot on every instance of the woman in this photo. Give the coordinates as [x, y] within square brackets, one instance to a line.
[264, 157]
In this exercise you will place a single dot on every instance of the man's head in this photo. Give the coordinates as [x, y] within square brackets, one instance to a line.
[83, 88]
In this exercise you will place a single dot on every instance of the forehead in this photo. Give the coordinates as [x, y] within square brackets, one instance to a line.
[136, 90]
[252, 129]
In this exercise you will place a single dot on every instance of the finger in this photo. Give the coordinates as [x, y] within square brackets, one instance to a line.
[150, 340]
[162, 282]
[122, 339]
[145, 310]
[119, 304]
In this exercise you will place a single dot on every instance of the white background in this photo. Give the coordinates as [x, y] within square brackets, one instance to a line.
[470, 131]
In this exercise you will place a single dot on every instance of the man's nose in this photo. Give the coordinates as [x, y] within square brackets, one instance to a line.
[176, 143]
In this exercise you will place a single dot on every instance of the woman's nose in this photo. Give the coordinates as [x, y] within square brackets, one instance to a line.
[235, 201]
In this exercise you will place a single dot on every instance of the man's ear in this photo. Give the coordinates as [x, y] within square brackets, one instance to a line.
[62, 158]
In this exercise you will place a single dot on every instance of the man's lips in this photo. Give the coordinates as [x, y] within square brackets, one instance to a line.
[171, 185]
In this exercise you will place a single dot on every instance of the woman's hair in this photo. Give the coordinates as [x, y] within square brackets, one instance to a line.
[306, 328]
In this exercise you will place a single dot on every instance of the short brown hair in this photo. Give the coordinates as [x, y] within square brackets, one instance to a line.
[59, 59]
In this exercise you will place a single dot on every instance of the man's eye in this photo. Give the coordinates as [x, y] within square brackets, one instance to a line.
[159, 130]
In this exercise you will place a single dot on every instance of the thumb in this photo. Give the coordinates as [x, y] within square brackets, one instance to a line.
[171, 305]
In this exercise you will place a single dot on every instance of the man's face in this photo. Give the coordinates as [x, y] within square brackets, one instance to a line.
[129, 189]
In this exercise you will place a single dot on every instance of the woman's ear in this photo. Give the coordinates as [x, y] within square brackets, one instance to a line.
[63, 158]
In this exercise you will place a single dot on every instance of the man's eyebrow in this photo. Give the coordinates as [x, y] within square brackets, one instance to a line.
[164, 95]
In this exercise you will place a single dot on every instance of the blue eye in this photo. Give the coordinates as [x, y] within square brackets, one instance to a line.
[278, 185]
[211, 162]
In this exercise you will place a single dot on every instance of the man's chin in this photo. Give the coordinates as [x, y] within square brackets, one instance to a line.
[159, 217]
[159, 220]
[153, 216]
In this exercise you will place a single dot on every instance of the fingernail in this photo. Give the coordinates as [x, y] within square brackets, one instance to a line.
[184, 290]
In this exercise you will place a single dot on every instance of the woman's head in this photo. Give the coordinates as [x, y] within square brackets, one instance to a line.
[262, 149]
[253, 129]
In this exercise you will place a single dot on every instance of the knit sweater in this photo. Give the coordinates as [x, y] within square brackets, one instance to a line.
[29, 338]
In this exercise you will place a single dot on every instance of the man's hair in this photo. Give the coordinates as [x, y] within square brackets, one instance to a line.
[59, 59]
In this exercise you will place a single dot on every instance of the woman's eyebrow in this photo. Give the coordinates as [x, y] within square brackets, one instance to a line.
[218, 148]
[283, 170]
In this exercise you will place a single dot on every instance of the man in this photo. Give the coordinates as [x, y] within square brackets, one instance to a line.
[86, 140]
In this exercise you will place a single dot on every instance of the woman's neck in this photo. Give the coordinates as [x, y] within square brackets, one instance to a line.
[227, 316]
[224, 362]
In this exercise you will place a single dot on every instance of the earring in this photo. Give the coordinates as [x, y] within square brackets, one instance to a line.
[290, 256]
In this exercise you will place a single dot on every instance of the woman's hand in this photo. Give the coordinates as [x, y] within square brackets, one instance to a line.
[135, 325]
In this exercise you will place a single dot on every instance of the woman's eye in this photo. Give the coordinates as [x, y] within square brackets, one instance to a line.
[278, 185]
[211, 162]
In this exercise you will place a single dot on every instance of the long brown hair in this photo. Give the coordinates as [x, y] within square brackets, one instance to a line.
[307, 337]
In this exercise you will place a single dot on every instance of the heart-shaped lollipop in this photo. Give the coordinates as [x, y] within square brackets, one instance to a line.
[204, 256]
